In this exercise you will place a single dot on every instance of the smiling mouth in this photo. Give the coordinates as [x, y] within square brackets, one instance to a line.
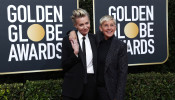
[109, 31]
[86, 30]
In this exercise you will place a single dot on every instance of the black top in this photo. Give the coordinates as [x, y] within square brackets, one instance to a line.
[103, 48]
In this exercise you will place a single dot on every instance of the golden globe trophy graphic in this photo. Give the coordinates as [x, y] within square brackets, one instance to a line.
[36, 32]
[131, 30]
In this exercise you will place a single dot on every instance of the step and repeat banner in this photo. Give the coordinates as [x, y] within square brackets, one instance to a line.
[141, 24]
[31, 33]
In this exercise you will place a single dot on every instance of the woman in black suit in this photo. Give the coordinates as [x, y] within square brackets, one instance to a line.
[112, 61]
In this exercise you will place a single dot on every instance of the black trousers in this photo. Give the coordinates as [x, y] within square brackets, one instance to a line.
[102, 93]
[89, 92]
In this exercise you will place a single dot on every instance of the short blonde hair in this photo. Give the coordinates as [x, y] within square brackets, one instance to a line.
[107, 18]
[78, 13]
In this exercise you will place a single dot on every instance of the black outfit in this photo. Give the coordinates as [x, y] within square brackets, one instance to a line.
[112, 68]
[102, 51]
[77, 84]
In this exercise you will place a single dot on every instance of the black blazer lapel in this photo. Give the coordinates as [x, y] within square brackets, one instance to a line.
[94, 51]
[110, 54]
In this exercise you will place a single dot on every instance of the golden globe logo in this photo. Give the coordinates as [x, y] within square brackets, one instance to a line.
[21, 49]
[139, 31]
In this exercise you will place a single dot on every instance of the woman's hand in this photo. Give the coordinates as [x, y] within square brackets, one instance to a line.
[72, 36]
[75, 46]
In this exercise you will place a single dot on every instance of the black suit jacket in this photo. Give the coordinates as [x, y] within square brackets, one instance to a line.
[74, 68]
[116, 67]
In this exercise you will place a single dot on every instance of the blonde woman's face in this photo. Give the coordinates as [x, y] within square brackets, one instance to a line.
[108, 28]
[83, 25]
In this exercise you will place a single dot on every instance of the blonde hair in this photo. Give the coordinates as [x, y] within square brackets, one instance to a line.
[78, 13]
[107, 18]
